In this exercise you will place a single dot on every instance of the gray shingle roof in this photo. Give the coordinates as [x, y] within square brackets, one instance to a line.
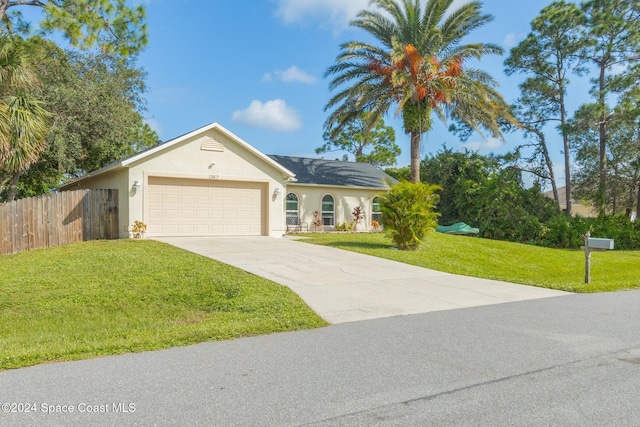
[334, 172]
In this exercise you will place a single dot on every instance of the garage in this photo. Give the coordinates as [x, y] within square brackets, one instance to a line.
[208, 182]
[201, 207]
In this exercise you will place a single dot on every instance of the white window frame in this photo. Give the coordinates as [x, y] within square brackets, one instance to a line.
[376, 215]
[290, 213]
[328, 217]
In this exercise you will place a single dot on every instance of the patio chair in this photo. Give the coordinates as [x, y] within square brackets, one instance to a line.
[294, 225]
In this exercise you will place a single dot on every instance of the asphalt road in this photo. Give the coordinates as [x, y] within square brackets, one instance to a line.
[571, 360]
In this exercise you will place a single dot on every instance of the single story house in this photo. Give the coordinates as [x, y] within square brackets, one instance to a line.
[209, 182]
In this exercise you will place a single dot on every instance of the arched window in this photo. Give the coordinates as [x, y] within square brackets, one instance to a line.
[328, 211]
[292, 209]
[376, 214]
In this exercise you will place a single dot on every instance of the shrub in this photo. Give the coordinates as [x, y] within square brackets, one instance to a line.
[560, 233]
[408, 213]
[345, 226]
[566, 232]
[618, 227]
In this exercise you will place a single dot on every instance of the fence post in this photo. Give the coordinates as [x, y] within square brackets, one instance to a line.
[86, 218]
[587, 259]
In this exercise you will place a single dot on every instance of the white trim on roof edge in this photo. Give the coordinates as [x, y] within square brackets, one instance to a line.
[208, 127]
[290, 176]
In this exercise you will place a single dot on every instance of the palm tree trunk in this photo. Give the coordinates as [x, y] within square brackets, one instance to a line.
[13, 187]
[415, 156]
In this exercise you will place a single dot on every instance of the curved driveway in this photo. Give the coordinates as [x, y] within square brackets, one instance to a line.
[343, 286]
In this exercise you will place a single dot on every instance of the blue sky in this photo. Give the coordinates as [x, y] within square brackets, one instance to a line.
[256, 67]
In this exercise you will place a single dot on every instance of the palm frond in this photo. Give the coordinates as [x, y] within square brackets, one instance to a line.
[377, 25]
[24, 122]
[434, 12]
[462, 21]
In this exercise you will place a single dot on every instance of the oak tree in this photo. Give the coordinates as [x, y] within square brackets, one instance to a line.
[369, 145]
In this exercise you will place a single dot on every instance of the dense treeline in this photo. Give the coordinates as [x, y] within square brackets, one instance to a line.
[597, 41]
[594, 40]
[487, 192]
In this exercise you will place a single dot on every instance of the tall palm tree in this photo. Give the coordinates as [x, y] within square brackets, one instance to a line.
[419, 66]
[23, 120]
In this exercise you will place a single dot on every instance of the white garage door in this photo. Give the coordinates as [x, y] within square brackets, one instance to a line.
[198, 207]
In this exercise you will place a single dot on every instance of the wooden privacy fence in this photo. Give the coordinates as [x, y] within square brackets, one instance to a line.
[58, 219]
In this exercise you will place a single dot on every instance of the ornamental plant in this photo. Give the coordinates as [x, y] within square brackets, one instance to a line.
[345, 226]
[138, 229]
[357, 214]
[408, 213]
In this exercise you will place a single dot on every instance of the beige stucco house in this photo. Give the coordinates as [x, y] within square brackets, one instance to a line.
[209, 182]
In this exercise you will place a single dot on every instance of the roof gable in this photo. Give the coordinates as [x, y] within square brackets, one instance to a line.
[334, 172]
[213, 147]
[209, 144]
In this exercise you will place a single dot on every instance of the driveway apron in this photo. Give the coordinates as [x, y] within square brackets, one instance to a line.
[343, 286]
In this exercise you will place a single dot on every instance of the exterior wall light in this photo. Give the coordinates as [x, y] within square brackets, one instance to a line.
[137, 184]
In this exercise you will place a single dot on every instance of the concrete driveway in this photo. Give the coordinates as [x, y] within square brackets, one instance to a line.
[343, 286]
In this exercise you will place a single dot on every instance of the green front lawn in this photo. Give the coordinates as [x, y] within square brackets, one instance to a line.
[492, 259]
[111, 297]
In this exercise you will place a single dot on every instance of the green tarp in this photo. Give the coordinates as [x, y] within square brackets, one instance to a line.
[457, 228]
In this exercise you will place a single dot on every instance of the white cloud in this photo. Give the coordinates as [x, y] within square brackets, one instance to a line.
[291, 75]
[294, 74]
[512, 39]
[335, 14]
[485, 146]
[332, 13]
[509, 40]
[274, 115]
[153, 124]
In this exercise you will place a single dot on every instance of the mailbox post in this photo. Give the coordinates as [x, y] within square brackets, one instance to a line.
[595, 245]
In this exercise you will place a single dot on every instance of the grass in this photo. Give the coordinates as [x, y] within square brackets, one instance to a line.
[511, 262]
[112, 297]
